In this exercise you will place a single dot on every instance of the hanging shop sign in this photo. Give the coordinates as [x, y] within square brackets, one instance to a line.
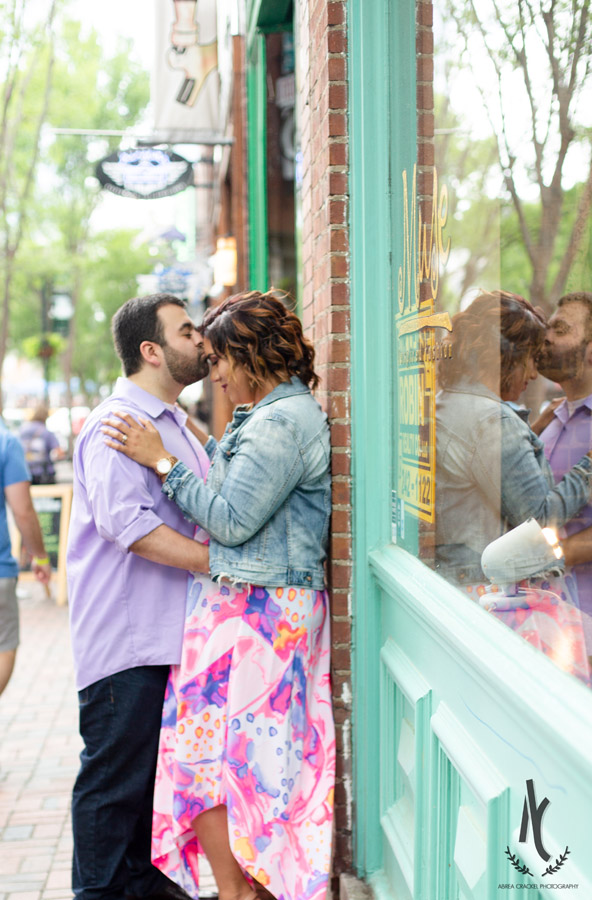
[425, 253]
[145, 173]
[192, 73]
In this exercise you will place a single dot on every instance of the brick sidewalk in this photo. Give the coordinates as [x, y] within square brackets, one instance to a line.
[39, 748]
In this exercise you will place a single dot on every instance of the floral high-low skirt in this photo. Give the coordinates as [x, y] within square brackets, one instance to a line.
[247, 722]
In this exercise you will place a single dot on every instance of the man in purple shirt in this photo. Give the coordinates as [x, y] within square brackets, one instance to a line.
[129, 552]
[567, 359]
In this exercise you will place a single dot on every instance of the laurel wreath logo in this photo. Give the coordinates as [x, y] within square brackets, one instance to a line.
[550, 870]
[518, 865]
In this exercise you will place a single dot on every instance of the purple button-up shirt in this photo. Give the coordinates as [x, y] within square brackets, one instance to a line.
[566, 440]
[125, 611]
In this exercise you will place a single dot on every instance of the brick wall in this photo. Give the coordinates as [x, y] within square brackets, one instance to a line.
[321, 32]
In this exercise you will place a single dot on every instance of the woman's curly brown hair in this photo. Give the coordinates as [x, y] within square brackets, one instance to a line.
[256, 331]
[497, 332]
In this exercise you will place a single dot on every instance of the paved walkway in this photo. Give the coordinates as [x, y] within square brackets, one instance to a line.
[39, 747]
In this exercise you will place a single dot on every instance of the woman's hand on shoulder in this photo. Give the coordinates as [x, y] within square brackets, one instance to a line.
[137, 439]
[546, 417]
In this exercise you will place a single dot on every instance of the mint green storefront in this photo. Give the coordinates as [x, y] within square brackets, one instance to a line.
[454, 713]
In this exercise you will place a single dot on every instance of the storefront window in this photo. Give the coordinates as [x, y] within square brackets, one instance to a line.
[496, 226]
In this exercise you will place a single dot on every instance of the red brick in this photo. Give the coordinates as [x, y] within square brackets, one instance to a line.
[425, 153]
[340, 294]
[337, 154]
[341, 632]
[337, 41]
[342, 858]
[425, 124]
[425, 69]
[340, 435]
[339, 601]
[340, 548]
[341, 520]
[341, 658]
[341, 797]
[337, 212]
[337, 69]
[425, 183]
[337, 96]
[340, 351]
[340, 575]
[339, 321]
[424, 42]
[338, 679]
[337, 124]
[339, 266]
[337, 378]
[338, 183]
[425, 14]
[425, 96]
[340, 463]
[339, 406]
[336, 13]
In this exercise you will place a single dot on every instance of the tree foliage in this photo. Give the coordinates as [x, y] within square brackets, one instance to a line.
[530, 61]
[55, 75]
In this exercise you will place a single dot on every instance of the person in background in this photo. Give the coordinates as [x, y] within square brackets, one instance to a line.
[41, 446]
[15, 481]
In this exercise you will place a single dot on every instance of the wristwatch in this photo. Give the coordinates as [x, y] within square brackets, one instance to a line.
[164, 465]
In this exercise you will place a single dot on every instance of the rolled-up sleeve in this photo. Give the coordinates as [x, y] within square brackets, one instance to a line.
[121, 502]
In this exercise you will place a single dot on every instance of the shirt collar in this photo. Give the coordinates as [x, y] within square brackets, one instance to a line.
[151, 404]
[562, 411]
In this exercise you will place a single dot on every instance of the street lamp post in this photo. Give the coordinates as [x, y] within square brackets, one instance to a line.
[45, 349]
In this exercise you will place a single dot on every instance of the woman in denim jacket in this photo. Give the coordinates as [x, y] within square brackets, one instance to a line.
[491, 470]
[247, 754]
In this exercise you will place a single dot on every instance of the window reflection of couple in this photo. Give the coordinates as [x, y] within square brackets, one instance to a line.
[492, 469]
[247, 752]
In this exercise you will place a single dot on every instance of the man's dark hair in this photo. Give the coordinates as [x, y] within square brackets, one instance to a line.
[585, 298]
[136, 321]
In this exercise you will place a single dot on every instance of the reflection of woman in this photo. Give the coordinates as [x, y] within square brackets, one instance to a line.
[491, 471]
[247, 746]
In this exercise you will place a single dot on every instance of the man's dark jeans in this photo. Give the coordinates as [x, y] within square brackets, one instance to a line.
[112, 800]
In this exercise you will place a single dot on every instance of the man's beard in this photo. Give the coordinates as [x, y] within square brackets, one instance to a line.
[562, 365]
[182, 369]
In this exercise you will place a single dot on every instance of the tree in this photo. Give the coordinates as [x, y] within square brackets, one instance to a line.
[27, 54]
[530, 60]
[92, 93]
[113, 260]
[54, 75]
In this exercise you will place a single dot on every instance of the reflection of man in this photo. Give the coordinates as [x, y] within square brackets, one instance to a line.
[567, 359]
[14, 489]
[128, 554]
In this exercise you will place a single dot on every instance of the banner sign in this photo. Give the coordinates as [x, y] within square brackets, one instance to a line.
[186, 82]
[145, 173]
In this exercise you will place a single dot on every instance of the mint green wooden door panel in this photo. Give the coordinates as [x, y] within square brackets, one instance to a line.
[469, 713]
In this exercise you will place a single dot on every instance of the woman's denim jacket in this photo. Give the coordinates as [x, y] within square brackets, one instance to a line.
[491, 475]
[267, 497]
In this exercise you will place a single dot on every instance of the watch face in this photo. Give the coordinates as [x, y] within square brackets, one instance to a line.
[163, 466]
